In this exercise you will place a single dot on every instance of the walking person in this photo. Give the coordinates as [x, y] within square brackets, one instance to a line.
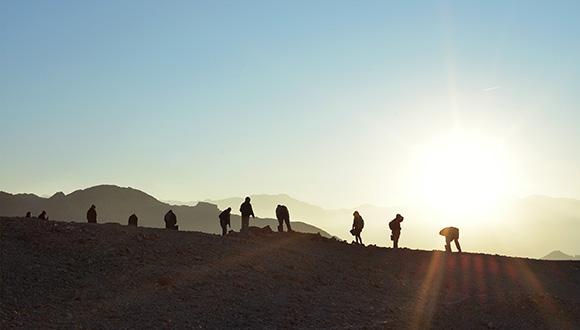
[225, 220]
[395, 226]
[357, 226]
[246, 211]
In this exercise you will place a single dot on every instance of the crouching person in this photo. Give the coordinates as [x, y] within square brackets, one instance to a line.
[171, 221]
[133, 220]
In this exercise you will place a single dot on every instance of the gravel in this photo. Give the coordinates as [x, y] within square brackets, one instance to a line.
[109, 276]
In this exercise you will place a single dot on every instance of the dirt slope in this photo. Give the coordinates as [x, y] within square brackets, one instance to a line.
[71, 275]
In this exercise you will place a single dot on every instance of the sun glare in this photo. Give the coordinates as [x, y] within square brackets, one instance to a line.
[461, 173]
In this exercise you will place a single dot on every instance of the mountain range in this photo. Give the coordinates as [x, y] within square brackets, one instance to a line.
[527, 226]
[116, 204]
[559, 255]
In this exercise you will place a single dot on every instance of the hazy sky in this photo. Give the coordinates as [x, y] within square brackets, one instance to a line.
[333, 102]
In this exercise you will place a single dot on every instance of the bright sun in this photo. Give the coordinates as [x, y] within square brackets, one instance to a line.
[460, 173]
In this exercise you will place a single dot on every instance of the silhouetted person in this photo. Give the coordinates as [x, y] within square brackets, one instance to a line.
[28, 215]
[171, 220]
[43, 216]
[247, 211]
[92, 214]
[357, 226]
[451, 234]
[133, 220]
[395, 226]
[225, 220]
[283, 216]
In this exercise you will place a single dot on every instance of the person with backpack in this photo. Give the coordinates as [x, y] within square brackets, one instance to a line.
[92, 214]
[395, 226]
[357, 226]
[225, 220]
[451, 235]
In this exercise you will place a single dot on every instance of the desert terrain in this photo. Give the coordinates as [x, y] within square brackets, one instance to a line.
[73, 275]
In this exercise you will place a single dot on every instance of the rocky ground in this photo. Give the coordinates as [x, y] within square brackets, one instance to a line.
[70, 275]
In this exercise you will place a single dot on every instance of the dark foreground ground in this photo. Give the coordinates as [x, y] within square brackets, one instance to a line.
[70, 275]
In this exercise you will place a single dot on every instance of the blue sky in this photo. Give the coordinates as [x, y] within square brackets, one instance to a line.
[328, 101]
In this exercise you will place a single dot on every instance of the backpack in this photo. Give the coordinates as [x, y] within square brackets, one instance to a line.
[392, 225]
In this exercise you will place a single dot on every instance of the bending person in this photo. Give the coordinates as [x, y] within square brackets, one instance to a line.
[225, 220]
[451, 234]
[283, 216]
[43, 215]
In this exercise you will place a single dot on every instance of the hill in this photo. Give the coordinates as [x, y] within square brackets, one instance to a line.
[548, 222]
[116, 204]
[551, 223]
[71, 275]
[559, 255]
[335, 221]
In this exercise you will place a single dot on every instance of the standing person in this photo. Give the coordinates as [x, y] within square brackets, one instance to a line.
[133, 220]
[247, 211]
[451, 234]
[283, 215]
[395, 226]
[92, 214]
[225, 220]
[357, 226]
[43, 216]
[171, 221]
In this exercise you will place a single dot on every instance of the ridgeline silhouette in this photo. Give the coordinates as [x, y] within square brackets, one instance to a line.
[528, 217]
[117, 203]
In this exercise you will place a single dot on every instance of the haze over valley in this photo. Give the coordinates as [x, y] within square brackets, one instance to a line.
[552, 223]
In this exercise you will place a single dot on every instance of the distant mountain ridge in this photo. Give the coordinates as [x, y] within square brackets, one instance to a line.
[559, 255]
[116, 204]
[553, 222]
[547, 222]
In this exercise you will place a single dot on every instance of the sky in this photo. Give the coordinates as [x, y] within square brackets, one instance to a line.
[338, 103]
